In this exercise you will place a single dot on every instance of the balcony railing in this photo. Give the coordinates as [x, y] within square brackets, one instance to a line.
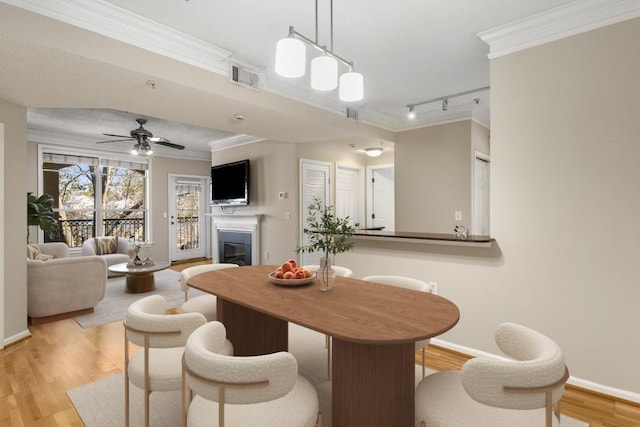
[76, 231]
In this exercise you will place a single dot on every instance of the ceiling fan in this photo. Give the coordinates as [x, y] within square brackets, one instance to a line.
[142, 138]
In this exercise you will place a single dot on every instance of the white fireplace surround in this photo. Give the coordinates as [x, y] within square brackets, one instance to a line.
[238, 223]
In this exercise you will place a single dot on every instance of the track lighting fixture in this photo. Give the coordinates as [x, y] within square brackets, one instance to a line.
[291, 63]
[412, 113]
[444, 99]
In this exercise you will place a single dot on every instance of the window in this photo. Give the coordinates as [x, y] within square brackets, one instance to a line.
[96, 196]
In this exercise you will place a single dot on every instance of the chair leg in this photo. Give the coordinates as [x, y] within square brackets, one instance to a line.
[423, 368]
[126, 380]
[319, 419]
[146, 381]
[423, 424]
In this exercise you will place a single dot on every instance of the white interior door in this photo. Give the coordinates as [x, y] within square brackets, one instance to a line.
[188, 197]
[481, 195]
[350, 194]
[315, 181]
[381, 197]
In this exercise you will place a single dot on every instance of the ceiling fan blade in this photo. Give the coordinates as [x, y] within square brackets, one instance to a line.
[114, 140]
[165, 142]
[118, 136]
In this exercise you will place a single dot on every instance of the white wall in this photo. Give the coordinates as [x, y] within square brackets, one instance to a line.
[433, 178]
[565, 199]
[15, 220]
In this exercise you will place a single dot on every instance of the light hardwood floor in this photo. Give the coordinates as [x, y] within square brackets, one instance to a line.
[35, 374]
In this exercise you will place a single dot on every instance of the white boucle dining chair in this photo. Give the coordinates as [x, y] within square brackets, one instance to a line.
[205, 304]
[407, 283]
[520, 391]
[263, 390]
[157, 366]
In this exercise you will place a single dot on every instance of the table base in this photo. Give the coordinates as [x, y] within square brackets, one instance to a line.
[372, 385]
[140, 282]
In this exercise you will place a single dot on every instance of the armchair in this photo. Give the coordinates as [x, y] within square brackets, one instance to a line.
[63, 286]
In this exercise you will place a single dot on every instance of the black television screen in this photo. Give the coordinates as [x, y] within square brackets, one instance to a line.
[230, 184]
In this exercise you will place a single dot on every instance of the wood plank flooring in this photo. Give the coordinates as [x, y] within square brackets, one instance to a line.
[36, 372]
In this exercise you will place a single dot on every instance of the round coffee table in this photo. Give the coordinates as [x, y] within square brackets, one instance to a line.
[139, 279]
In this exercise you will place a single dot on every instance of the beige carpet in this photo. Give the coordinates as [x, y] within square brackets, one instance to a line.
[101, 403]
[114, 305]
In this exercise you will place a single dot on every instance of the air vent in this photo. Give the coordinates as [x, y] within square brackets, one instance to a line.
[244, 77]
[352, 113]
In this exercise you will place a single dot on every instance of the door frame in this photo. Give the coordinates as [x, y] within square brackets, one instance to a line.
[304, 257]
[479, 155]
[362, 218]
[204, 212]
[369, 190]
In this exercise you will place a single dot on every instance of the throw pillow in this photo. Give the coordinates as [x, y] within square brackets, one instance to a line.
[44, 257]
[106, 245]
[33, 251]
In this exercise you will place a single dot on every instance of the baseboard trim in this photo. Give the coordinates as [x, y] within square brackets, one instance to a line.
[17, 337]
[574, 381]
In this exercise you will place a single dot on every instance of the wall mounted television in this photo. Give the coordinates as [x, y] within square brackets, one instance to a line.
[230, 184]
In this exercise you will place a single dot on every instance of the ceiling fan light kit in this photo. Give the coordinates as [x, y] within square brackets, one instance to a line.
[142, 138]
[291, 63]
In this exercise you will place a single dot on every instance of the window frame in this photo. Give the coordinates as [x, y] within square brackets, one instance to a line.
[100, 155]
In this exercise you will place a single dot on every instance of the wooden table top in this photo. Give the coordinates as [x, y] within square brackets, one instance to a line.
[353, 310]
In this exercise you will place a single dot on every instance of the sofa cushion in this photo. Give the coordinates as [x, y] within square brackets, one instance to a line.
[106, 245]
[33, 251]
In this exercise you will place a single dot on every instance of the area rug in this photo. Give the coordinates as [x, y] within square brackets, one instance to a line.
[101, 403]
[115, 302]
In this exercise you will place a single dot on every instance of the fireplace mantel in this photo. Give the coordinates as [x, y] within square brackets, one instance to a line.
[238, 223]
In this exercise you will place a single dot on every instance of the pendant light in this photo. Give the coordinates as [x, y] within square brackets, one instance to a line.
[291, 59]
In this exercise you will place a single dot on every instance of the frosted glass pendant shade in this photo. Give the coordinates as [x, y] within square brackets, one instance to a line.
[351, 87]
[324, 73]
[290, 58]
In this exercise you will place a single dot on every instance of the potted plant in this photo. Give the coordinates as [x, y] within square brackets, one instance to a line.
[329, 234]
[40, 213]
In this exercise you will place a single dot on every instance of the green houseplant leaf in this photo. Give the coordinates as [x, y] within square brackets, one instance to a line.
[40, 213]
[327, 232]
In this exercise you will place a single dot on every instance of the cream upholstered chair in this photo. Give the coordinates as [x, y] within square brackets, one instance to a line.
[407, 283]
[157, 366]
[340, 271]
[498, 392]
[205, 304]
[263, 390]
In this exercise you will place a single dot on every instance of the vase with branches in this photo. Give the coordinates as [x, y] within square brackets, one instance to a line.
[327, 233]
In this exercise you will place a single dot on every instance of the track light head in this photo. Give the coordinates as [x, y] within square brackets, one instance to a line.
[445, 104]
[411, 115]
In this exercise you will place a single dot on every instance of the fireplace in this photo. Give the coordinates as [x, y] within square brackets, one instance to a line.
[236, 239]
[234, 247]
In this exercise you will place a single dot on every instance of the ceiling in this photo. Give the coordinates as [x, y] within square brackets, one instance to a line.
[85, 68]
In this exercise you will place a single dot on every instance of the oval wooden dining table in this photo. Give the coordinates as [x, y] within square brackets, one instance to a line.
[373, 327]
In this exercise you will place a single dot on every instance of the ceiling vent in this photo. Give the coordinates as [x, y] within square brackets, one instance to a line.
[352, 113]
[244, 76]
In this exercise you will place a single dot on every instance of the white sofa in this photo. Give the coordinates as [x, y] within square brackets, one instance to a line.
[63, 286]
[121, 254]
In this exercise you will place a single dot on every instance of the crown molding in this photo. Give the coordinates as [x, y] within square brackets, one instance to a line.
[557, 23]
[119, 24]
[233, 141]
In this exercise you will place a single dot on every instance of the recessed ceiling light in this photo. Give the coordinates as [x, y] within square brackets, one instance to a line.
[238, 117]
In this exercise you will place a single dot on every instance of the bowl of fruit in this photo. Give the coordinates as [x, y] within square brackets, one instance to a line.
[289, 274]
